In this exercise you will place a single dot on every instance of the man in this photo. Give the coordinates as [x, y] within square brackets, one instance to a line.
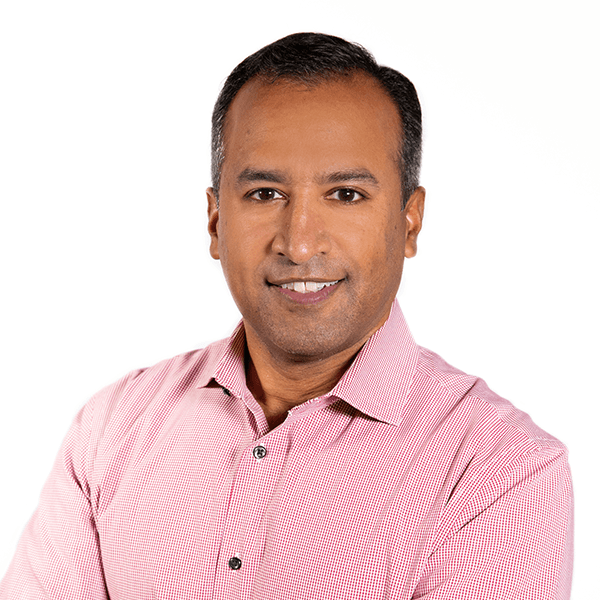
[318, 452]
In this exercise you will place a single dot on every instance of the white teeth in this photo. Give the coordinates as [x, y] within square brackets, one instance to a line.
[304, 287]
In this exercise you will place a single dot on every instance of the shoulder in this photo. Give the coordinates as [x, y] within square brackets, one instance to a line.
[458, 397]
[490, 449]
[144, 394]
[488, 444]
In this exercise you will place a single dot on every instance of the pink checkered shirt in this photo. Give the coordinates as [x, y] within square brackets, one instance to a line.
[409, 479]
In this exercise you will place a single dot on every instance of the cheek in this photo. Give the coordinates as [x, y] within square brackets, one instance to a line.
[230, 236]
[228, 251]
[241, 252]
[395, 235]
[391, 253]
[385, 244]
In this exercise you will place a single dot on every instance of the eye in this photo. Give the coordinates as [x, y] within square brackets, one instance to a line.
[265, 194]
[347, 195]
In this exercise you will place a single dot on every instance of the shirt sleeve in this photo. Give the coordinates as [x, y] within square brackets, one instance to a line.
[58, 555]
[513, 540]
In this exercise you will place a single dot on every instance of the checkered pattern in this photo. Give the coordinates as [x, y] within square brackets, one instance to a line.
[408, 480]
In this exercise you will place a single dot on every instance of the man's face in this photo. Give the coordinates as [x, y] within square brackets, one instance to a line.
[310, 229]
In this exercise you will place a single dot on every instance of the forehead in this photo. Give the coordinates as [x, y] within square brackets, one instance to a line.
[351, 118]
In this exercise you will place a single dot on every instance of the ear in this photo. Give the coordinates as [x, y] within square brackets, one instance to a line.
[413, 213]
[213, 222]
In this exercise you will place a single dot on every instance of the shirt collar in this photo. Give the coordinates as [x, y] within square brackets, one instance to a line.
[376, 383]
[226, 363]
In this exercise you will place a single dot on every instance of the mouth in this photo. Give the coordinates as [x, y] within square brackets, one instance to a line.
[307, 292]
[307, 287]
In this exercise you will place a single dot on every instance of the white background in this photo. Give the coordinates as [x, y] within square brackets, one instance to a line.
[104, 159]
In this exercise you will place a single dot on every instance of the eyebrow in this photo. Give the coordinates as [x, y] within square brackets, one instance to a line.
[251, 175]
[348, 175]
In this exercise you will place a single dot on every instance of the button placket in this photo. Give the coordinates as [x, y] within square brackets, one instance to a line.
[252, 489]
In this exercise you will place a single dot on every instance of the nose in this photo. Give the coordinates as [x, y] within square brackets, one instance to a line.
[302, 231]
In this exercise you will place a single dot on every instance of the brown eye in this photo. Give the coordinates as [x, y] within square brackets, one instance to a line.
[347, 195]
[265, 194]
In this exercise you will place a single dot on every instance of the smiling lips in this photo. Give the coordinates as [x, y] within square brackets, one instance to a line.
[305, 287]
[307, 292]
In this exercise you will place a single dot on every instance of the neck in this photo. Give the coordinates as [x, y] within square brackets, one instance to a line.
[279, 383]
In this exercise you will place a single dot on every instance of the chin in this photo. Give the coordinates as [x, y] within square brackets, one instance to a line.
[309, 346]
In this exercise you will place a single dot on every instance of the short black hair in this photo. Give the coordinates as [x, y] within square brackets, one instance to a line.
[311, 58]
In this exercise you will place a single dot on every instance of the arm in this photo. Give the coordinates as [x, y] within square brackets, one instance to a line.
[512, 540]
[58, 556]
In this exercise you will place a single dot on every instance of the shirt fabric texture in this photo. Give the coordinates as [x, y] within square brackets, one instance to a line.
[409, 479]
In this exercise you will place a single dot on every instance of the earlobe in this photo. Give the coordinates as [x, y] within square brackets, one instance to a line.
[414, 221]
[213, 221]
